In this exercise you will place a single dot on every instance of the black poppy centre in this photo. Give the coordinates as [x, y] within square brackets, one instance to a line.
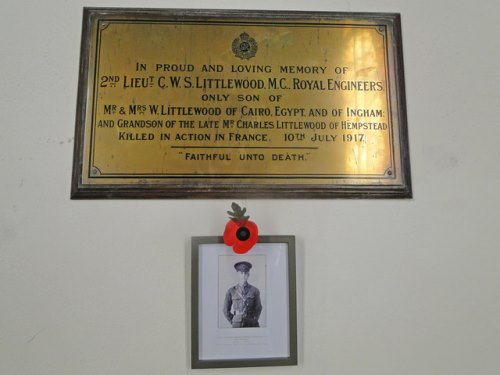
[243, 233]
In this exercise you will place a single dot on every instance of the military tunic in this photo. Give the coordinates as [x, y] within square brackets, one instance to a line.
[242, 306]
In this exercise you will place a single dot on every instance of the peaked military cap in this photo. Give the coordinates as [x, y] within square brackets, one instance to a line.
[243, 266]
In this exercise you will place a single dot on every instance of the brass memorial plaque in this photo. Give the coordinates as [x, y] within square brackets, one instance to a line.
[205, 103]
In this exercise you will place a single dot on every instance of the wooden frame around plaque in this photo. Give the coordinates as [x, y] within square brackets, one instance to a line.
[177, 103]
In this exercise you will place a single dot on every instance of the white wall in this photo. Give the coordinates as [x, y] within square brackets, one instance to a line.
[385, 287]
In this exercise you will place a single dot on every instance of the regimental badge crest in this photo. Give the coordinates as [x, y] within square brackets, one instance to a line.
[244, 46]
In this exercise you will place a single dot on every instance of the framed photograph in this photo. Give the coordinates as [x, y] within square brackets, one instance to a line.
[243, 307]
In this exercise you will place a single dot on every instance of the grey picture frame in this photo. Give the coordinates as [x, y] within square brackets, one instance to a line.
[289, 360]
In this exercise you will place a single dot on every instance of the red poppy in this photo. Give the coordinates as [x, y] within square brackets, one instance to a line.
[240, 233]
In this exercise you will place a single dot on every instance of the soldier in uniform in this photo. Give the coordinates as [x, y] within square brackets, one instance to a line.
[242, 306]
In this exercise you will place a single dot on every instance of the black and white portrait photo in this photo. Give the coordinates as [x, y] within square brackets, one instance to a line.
[242, 288]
